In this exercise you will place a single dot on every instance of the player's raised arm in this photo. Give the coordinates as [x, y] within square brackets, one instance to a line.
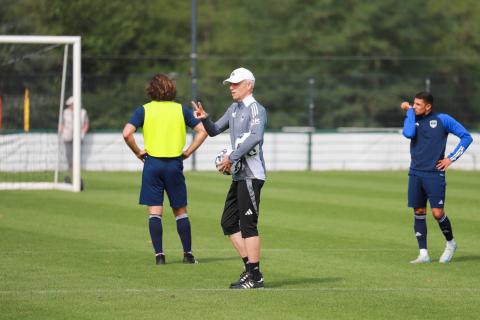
[409, 128]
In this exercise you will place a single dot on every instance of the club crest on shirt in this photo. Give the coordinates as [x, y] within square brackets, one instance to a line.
[433, 123]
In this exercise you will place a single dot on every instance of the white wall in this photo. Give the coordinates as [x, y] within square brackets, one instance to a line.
[282, 151]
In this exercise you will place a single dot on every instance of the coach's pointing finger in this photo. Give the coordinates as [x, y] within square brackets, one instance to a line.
[198, 112]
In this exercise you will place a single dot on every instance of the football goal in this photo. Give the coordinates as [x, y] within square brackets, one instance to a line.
[37, 75]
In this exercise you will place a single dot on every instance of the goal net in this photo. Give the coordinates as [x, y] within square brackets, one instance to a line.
[37, 75]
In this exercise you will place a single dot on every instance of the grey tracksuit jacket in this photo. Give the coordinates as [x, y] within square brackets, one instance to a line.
[247, 121]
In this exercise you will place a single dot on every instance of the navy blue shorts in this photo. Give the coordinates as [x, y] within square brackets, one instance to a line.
[163, 174]
[426, 185]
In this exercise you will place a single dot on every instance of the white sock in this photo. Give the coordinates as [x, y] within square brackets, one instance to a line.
[451, 242]
[424, 252]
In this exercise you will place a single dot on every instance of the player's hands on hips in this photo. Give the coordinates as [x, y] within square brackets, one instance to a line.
[141, 155]
[405, 106]
[198, 111]
[444, 164]
[185, 154]
[225, 165]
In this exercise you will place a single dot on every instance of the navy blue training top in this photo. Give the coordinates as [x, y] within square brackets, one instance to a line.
[428, 136]
[138, 117]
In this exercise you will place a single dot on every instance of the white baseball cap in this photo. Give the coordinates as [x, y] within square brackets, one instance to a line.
[69, 101]
[238, 75]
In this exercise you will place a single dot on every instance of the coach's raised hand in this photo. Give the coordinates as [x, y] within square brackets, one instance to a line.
[198, 111]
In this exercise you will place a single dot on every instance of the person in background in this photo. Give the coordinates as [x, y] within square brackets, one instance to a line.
[66, 132]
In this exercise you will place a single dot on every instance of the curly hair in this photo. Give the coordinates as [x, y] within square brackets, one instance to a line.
[161, 88]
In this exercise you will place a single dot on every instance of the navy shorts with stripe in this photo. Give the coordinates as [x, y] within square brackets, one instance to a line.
[163, 174]
[426, 185]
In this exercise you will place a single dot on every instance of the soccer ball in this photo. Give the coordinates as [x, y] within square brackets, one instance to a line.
[236, 166]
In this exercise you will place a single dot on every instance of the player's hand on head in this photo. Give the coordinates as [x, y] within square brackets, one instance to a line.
[444, 164]
[405, 106]
[198, 111]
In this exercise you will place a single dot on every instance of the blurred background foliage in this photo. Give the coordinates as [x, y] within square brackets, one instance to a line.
[356, 59]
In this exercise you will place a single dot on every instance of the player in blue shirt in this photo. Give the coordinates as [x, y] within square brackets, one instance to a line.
[428, 132]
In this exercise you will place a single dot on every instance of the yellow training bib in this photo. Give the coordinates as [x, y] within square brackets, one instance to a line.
[164, 130]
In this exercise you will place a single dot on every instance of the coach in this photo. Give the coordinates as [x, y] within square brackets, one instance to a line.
[246, 119]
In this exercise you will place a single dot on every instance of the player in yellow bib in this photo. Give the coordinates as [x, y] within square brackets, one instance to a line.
[164, 124]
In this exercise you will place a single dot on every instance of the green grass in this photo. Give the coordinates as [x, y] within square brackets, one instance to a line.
[334, 245]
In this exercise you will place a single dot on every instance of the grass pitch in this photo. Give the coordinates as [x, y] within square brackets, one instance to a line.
[334, 245]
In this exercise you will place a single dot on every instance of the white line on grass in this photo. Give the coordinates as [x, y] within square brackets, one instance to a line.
[219, 250]
[160, 290]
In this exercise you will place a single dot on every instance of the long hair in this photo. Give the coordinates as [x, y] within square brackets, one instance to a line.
[161, 88]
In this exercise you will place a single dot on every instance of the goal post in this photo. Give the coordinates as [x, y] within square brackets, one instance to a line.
[75, 42]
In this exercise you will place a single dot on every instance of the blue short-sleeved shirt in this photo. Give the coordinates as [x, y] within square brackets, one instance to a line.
[138, 117]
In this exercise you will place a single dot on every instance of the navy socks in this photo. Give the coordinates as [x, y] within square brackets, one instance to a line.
[420, 227]
[446, 227]
[156, 232]
[184, 231]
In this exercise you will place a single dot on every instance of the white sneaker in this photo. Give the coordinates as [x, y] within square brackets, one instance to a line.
[421, 259]
[447, 254]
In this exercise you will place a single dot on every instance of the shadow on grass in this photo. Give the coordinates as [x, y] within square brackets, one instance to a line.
[300, 281]
[466, 258]
[217, 259]
[206, 260]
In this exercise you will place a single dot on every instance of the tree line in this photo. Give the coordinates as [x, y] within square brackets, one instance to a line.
[357, 60]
